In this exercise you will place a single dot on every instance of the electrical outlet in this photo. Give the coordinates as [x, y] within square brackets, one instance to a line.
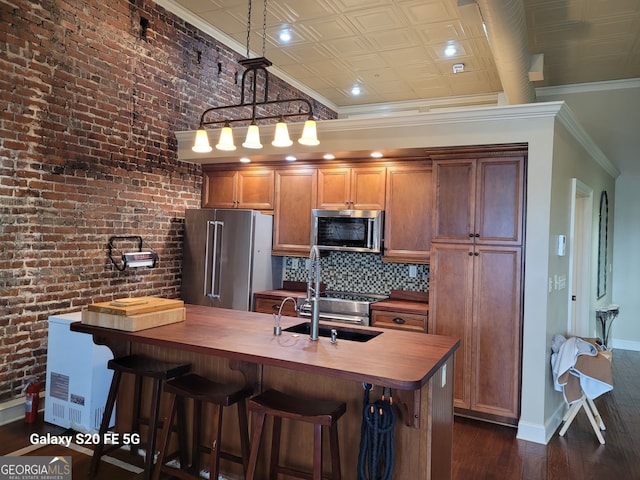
[294, 263]
[413, 271]
[444, 375]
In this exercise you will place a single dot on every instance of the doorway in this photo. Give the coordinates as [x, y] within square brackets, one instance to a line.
[581, 228]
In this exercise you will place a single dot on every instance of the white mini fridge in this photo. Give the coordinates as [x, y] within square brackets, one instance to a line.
[78, 379]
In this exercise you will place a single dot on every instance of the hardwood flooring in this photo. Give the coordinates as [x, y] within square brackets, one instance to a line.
[484, 451]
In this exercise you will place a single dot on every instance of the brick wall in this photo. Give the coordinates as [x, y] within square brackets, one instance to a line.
[91, 93]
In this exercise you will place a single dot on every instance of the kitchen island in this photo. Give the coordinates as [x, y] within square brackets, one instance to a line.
[235, 346]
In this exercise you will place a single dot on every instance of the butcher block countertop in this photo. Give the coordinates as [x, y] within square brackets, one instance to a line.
[396, 359]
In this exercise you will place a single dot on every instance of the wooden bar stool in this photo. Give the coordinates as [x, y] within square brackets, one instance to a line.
[142, 367]
[317, 412]
[203, 390]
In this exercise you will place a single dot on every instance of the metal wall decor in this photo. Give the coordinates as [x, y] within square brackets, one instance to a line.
[603, 235]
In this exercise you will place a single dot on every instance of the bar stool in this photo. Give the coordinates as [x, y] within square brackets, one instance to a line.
[317, 412]
[142, 367]
[220, 395]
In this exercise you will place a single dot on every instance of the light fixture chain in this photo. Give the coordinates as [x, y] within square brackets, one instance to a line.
[248, 27]
[264, 28]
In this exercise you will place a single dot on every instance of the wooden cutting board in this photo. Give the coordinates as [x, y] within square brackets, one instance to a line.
[133, 323]
[135, 306]
[135, 313]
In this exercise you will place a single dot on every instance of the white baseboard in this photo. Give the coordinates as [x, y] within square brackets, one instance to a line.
[533, 432]
[13, 410]
[625, 345]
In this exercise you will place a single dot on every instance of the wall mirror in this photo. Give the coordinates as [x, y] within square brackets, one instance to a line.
[602, 244]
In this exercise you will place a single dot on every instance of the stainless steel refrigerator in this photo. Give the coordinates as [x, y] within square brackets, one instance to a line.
[227, 257]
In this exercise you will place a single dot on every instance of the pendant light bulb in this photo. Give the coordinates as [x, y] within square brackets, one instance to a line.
[253, 137]
[281, 137]
[225, 142]
[309, 133]
[201, 144]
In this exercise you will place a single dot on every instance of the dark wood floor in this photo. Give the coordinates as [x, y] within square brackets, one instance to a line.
[484, 451]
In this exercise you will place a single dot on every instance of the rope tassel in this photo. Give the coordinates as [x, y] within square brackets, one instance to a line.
[376, 459]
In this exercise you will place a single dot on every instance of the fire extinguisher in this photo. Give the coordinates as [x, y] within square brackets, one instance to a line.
[32, 401]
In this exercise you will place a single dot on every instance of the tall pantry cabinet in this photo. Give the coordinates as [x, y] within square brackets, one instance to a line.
[476, 277]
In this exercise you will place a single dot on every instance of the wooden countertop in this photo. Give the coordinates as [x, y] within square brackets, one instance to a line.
[396, 359]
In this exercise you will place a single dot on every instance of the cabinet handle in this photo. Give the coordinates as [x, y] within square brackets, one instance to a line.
[471, 235]
[477, 235]
[471, 254]
[475, 254]
[399, 321]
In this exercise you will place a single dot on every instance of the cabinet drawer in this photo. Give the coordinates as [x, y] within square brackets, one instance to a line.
[272, 304]
[400, 321]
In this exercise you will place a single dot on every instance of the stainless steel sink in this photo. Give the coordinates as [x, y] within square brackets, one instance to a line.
[343, 333]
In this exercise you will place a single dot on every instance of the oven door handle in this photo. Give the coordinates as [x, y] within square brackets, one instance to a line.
[337, 317]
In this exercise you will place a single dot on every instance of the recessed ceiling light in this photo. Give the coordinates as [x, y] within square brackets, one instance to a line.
[329, 156]
[290, 158]
[377, 154]
[245, 160]
[285, 35]
[355, 90]
[450, 50]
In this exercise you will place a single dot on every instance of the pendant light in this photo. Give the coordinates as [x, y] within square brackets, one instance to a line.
[251, 109]
[281, 137]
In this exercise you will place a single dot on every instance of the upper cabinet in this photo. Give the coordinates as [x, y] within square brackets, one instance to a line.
[479, 200]
[251, 188]
[408, 213]
[360, 188]
[295, 196]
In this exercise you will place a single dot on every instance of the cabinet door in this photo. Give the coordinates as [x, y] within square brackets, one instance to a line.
[220, 189]
[497, 319]
[334, 185]
[499, 201]
[454, 194]
[351, 188]
[408, 213]
[295, 197]
[368, 188]
[450, 305]
[255, 189]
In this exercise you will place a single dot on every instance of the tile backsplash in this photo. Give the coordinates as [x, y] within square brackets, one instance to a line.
[360, 272]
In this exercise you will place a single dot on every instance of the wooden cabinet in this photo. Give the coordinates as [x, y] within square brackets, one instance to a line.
[476, 280]
[479, 200]
[408, 213]
[271, 304]
[402, 311]
[250, 188]
[295, 197]
[400, 320]
[351, 188]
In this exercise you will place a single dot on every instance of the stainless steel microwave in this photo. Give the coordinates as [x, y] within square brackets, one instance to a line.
[347, 230]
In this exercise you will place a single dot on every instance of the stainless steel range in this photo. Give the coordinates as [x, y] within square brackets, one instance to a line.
[346, 307]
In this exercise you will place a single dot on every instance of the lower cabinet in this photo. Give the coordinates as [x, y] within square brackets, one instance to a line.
[402, 311]
[263, 303]
[400, 320]
[476, 296]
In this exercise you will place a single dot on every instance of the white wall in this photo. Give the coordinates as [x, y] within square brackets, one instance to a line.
[625, 329]
[610, 114]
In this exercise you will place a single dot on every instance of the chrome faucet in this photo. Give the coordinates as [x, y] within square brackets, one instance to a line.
[314, 268]
[276, 329]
